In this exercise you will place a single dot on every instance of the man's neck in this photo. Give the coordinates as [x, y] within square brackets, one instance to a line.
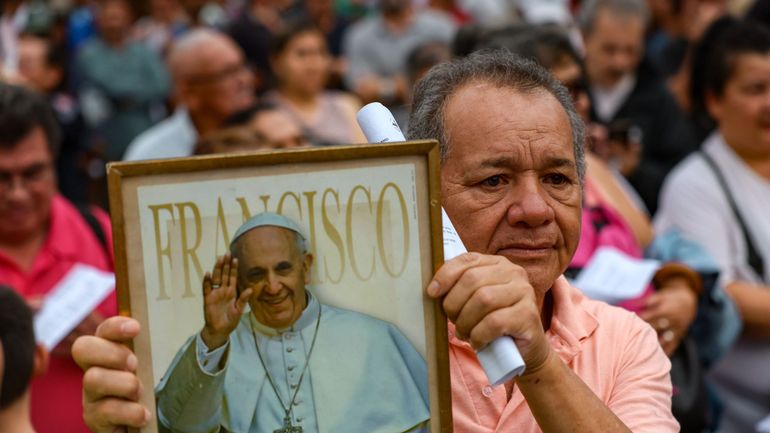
[15, 418]
[760, 164]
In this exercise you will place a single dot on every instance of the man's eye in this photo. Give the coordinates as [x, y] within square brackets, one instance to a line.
[493, 181]
[557, 179]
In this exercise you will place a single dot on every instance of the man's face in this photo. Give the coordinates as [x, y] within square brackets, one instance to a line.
[218, 82]
[509, 182]
[33, 66]
[271, 264]
[276, 130]
[27, 186]
[614, 47]
[742, 112]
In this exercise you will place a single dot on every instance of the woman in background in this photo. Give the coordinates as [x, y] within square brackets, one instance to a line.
[302, 64]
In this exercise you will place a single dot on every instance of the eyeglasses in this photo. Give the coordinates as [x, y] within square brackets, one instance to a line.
[30, 176]
[219, 76]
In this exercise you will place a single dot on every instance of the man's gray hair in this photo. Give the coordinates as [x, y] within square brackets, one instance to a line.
[498, 68]
[628, 8]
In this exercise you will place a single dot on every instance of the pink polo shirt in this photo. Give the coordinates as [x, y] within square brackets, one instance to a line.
[57, 395]
[615, 353]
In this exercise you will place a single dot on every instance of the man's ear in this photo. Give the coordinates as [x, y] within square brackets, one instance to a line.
[306, 264]
[713, 105]
[41, 361]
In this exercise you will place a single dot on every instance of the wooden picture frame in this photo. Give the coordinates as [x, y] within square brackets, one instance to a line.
[371, 214]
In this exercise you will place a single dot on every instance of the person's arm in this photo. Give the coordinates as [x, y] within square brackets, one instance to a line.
[753, 302]
[489, 297]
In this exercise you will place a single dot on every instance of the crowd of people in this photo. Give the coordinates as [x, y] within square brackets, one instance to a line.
[640, 125]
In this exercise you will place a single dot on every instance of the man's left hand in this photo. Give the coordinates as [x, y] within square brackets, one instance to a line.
[487, 297]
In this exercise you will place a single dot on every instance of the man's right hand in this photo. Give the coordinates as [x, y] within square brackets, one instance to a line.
[111, 389]
[221, 310]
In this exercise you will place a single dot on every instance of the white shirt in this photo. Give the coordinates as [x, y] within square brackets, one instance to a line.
[172, 138]
[607, 101]
[693, 202]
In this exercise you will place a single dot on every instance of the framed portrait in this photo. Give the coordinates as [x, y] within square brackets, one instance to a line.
[362, 348]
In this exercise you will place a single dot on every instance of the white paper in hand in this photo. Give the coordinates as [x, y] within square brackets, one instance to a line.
[613, 277]
[500, 359]
[77, 294]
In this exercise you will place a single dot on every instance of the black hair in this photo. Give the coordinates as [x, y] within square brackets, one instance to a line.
[280, 40]
[544, 44]
[21, 111]
[424, 57]
[714, 57]
[18, 337]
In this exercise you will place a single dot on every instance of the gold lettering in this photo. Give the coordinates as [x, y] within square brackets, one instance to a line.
[160, 250]
[333, 234]
[244, 208]
[349, 232]
[265, 199]
[283, 199]
[404, 219]
[221, 228]
[310, 198]
[189, 254]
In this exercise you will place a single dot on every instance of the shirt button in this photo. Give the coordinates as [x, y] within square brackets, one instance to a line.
[291, 368]
[297, 403]
[487, 391]
[293, 386]
[290, 349]
[300, 418]
[451, 334]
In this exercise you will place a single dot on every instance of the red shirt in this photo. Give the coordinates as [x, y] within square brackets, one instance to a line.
[57, 395]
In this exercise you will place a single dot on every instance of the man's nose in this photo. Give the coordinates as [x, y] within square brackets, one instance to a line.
[273, 283]
[17, 188]
[529, 205]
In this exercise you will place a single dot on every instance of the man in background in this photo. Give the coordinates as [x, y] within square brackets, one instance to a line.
[628, 94]
[42, 237]
[211, 83]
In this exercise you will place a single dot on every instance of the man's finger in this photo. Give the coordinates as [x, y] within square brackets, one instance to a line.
[475, 278]
[105, 415]
[240, 304]
[88, 351]
[101, 382]
[118, 329]
[520, 321]
[233, 278]
[222, 280]
[446, 277]
[206, 284]
[217, 273]
[482, 302]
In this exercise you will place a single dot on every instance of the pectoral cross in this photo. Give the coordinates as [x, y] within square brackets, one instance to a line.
[287, 427]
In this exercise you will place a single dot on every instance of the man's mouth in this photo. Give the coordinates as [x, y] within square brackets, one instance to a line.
[275, 300]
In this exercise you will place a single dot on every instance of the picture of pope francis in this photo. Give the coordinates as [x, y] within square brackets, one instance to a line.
[288, 363]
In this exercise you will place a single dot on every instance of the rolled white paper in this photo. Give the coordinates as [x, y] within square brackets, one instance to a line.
[378, 124]
[500, 359]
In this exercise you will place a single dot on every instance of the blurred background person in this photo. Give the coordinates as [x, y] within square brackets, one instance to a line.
[376, 48]
[121, 83]
[21, 359]
[166, 21]
[720, 197]
[42, 237]
[302, 63]
[43, 67]
[623, 87]
[211, 83]
[262, 127]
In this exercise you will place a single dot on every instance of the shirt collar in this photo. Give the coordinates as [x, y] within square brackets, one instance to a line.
[308, 318]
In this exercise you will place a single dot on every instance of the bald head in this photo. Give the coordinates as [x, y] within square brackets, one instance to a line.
[194, 49]
[210, 77]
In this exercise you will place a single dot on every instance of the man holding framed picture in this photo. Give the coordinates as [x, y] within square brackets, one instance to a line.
[512, 172]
